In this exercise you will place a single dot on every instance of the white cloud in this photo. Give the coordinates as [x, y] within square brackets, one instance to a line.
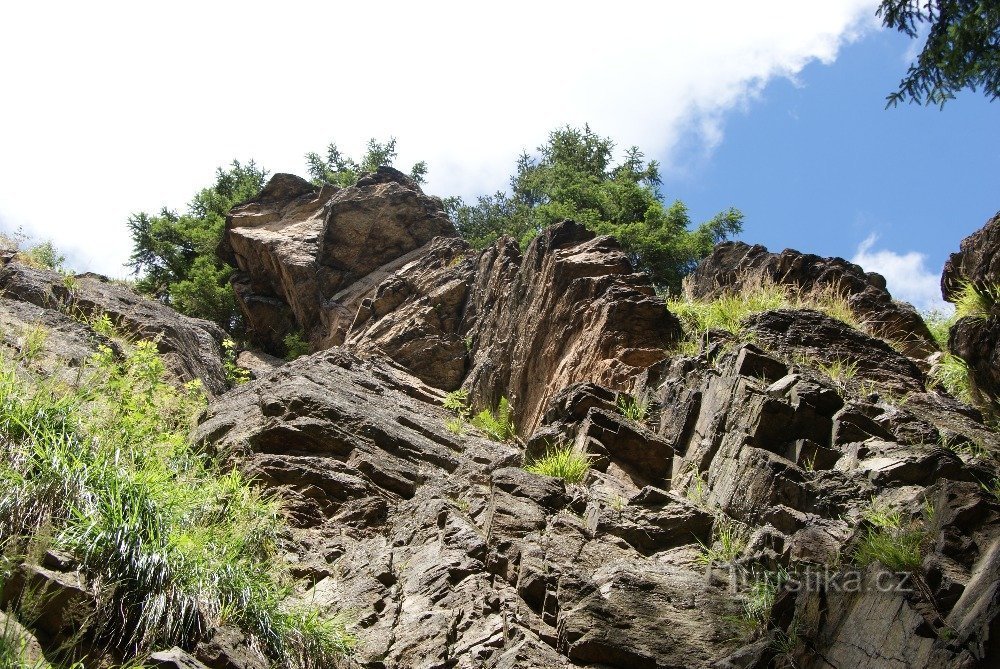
[114, 107]
[906, 275]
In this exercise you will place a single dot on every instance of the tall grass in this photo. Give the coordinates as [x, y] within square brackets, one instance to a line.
[757, 294]
[561, 462]
[975, 301]
[888, 540]
[172, 544]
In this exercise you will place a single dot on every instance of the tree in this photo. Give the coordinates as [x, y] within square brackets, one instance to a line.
[962, 48]
[574, 177]
[342, 171]
[175, 253]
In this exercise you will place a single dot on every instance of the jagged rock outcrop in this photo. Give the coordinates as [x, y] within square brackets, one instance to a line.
[976, 261]
[976, 338]
[571, 310]
[307, 256]
[447, 553]
[66, 306]
[377, 268]
[732, 264]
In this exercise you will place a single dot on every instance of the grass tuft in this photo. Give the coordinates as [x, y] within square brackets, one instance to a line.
[952, 374]
[728, 543]
[561, 462]
[632, 408]
[889, 541]
[498, 425]
[974, 301]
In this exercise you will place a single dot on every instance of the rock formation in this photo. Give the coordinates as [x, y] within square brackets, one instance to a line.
[976, 337]
[67, 306]
[732, 264]
[732, 491]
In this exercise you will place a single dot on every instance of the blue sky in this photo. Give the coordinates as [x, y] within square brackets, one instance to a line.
[820, 165]
[775, 108]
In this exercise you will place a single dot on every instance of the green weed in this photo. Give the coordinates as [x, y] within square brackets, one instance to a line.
[974, 301]
[952, 374]
[235, 375]
[561, 462]
[755, 295]
[839, 371]
[33, 343]
[728, 543]
[499, 424]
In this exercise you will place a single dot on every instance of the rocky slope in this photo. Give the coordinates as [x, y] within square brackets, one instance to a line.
[733, 491]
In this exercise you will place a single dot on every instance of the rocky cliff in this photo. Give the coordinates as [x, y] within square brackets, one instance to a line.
[796, 493]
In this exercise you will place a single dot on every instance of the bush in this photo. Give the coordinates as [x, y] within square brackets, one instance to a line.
[186, 544]
[563, 463]
[295, 346]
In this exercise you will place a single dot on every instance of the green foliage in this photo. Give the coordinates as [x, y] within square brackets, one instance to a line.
[174, 254]
[975, 301]
[962, 48]
[633, 408]
[295, 345]
[498, 425]
[105, 465]
[341, 170]
[951, 373]
[235, 375]
[728, 542]
[939, 325]
[44, 255]
[759, 598]
[561, 462]
[573, 176]
[839, 371]
[697, 490]
[888, 541]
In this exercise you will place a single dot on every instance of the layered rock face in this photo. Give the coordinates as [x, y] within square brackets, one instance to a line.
[733, 264]
[65, 308]
[976, 338]
[745, 462]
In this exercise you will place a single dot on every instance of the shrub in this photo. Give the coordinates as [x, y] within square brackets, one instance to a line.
[235, 375]
[295, 345]
[561, 462]
[44, 256]
[184, 542]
